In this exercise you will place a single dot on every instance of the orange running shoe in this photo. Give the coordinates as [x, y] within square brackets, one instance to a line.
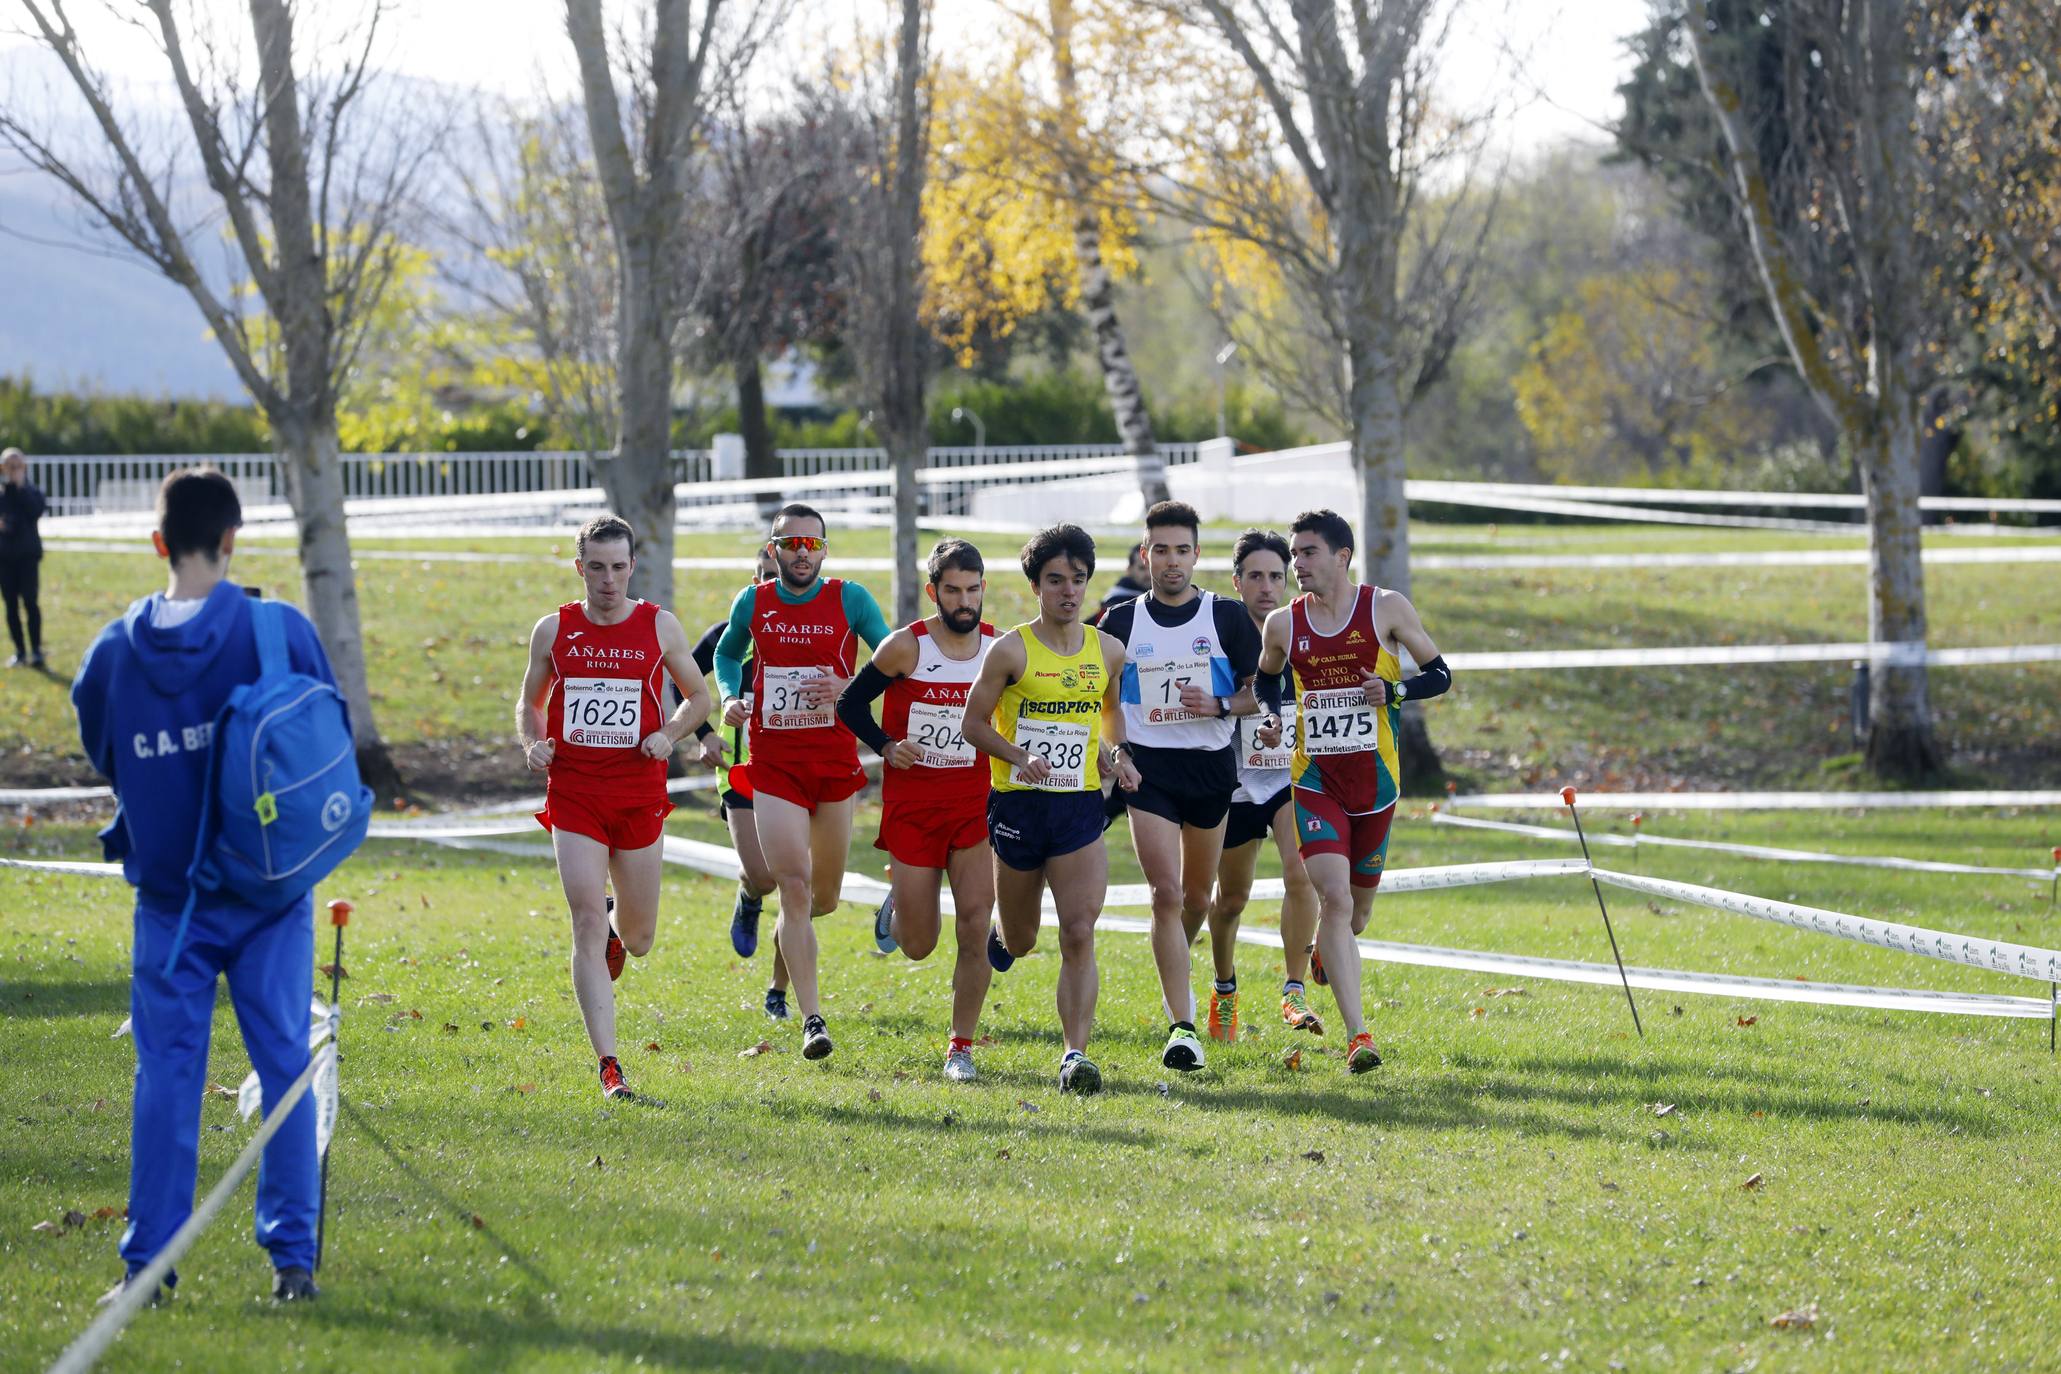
[612, 1085]
[1317, 974]
[1361, 1055]
[1223, 1015]
[1295, 1010]
[613, 954]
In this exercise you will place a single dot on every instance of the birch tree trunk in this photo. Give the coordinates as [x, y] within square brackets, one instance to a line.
[1901, 743]
[638, 476]
[902, 420]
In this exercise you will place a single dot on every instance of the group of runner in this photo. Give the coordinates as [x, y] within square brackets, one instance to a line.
[1213, 723]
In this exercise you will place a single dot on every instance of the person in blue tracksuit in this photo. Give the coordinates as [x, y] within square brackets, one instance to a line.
[147, 696]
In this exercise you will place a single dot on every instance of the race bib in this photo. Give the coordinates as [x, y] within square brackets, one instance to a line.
[1338, 722]
[1253, 754]
[938, 732]
[1062, 744]
[782, 705]
[1160, 684]
[602, 712]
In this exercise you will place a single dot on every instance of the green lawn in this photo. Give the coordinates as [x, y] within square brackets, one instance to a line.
[1500, 1195]
[445, 645]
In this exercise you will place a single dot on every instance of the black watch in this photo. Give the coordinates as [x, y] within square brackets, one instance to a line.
[1223, 706]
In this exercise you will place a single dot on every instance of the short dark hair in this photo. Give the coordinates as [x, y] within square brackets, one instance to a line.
[1327, 525]
[195, 508]
[1058, 541]
[604, 529]
[799, 511]
[1174, 515]
[1258, 541]
[955, 555]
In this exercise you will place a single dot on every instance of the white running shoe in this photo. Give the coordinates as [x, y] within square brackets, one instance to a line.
[1183, 1050]
[959, 1066]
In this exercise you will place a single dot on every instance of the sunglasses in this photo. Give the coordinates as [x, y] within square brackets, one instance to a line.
[800, 543]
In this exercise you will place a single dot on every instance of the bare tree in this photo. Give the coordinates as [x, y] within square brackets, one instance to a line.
[671, 72]
[1849, 281]
[307, 180]
[884, 276]
[1379, 274]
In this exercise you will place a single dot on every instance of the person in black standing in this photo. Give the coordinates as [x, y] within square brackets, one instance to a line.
[21, 551]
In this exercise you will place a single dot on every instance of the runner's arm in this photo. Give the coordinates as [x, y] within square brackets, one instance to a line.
[1003, 664]
[891, 660]
[692, 712]
[736, 641]
[862, 613]
[1113, 713]
[705, 659]
[536, 689]
[1404, 627]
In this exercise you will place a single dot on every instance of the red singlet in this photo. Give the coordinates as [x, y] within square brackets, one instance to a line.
[604, 701]
[928, 708]
[791, 645]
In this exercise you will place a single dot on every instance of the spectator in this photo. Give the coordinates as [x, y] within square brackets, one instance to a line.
[1133, 584]
[21, 551]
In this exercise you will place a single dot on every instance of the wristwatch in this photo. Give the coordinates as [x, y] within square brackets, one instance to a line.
[1397, 692]
[1223, 706]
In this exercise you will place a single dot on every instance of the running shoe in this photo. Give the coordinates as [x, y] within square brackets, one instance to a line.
[815, 1039]
[614, 953]
[744, 925]
[164, 1292]
[959, 1063]
[1183, 1049]
[1361, 1055]
[1296, 1011]
[776, 1004]
[1223, 1015]
[999, 956]
[883, 926]
[1317, 974]
[612, 1085]
[1078, 1074]
[294, 1284]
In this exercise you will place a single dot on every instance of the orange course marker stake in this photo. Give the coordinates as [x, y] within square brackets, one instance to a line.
[1567, 795]
[340, 912]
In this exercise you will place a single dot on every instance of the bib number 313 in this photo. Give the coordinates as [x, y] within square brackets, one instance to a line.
[783, 704]
[1063, 745]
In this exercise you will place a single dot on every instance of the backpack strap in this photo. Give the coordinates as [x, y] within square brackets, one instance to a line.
[200, 849]
[268, 624]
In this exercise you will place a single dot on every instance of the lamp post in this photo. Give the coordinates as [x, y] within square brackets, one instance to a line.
[1223, 357]
[980, 431]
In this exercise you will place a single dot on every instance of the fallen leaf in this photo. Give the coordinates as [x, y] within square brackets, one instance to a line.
[221, 1090]
[1756, 1115]
[597, 1162]
[1293, 1060]
[1480, 1011]
[984, 1040]
[121, 1030]
[525, 1088]
[486, 1025]
[450, 1028]
[1678, 1011]
[763, 1047]
[106, 1213]
[1748, 1020]
[652, 1047]
[1751, 1183]
[382, 998]
[1508, 992]
[715, 1254]
[424, 898]
[1663, 1109]
[518, 1023]
[1313, 1156]
[1798, 1319]
[414, 1015]
[49, 1228]
[1028, 1105]
[1001, 1154]
[73, 1218]
[1609, 1187]
[1864, 1101]
[100, 1104]
[335, 971]
[901, 1074]
[873, 1094]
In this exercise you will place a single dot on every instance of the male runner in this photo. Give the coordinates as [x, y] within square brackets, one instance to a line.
[590, 717]
[1260, 807]
[1339, 640]
[726, 751]
[934, 788]
[1187, 655]
[804, 764]
[1041, 710]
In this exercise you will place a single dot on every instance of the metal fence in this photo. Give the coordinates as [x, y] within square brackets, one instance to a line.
[106, 484]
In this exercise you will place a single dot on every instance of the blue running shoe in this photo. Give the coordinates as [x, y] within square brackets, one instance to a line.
[998, 953]
[776, 1004]
[744, 925]
[883, 926]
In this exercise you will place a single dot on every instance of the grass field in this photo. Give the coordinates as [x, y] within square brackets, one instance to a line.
[443, 680]
[1500, 1195]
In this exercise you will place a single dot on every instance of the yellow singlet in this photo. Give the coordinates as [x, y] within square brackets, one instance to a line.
[1054, 709]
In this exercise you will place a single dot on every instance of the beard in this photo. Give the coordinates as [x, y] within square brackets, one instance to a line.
[961, 622]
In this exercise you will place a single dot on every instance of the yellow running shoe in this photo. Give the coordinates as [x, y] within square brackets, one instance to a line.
[1361, 1055]
[1223, 1015]
[1295, 1010]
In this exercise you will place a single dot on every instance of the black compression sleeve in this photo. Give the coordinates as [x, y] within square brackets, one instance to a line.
[1433, 681]
[1267, 687]
[855, 708]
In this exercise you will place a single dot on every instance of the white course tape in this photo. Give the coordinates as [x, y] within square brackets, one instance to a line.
[31, 796]
[75, 868]
[92, 1343]
[1645, 515]
[1768, 500]
[1895, 654]
[1395, 880]
[1756, 801]
[1656, 562]
[1749, 851]
[1998, 956]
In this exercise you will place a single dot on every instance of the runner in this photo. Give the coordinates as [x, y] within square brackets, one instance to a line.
[590, 717]
[726, 751]
[1189, 654]
[804, 764]
[1339, 640]
[1261, 807]
[1040, 710]
[933, 787]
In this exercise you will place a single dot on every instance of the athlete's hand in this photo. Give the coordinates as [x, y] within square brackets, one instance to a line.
[904, 755]
[657, 745]
[537, 754]
[712, 751]
[737, 710]
[1375, 686]
[1035, 768]
[819, 692]
[1126, 772]
[1196, 701]
[1268, 735]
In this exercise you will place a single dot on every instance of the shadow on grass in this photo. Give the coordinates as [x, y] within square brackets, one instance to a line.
[952, 1123]
[498, 1338]
[51, 1001]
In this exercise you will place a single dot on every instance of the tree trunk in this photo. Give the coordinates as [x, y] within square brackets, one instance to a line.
[906, 451]
[761, 462]
[638, 476]
[310, 470]
[902, 421]
[1900, 744]
[1937, 440]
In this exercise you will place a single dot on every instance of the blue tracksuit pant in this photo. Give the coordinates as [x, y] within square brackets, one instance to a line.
[269, 962]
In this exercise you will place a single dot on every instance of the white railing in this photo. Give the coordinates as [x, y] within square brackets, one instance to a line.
[121, 484]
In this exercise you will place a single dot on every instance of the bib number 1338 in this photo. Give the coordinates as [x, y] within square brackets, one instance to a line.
[1063, 745]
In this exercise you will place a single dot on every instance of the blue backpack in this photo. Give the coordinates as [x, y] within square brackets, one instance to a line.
[282, 805]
